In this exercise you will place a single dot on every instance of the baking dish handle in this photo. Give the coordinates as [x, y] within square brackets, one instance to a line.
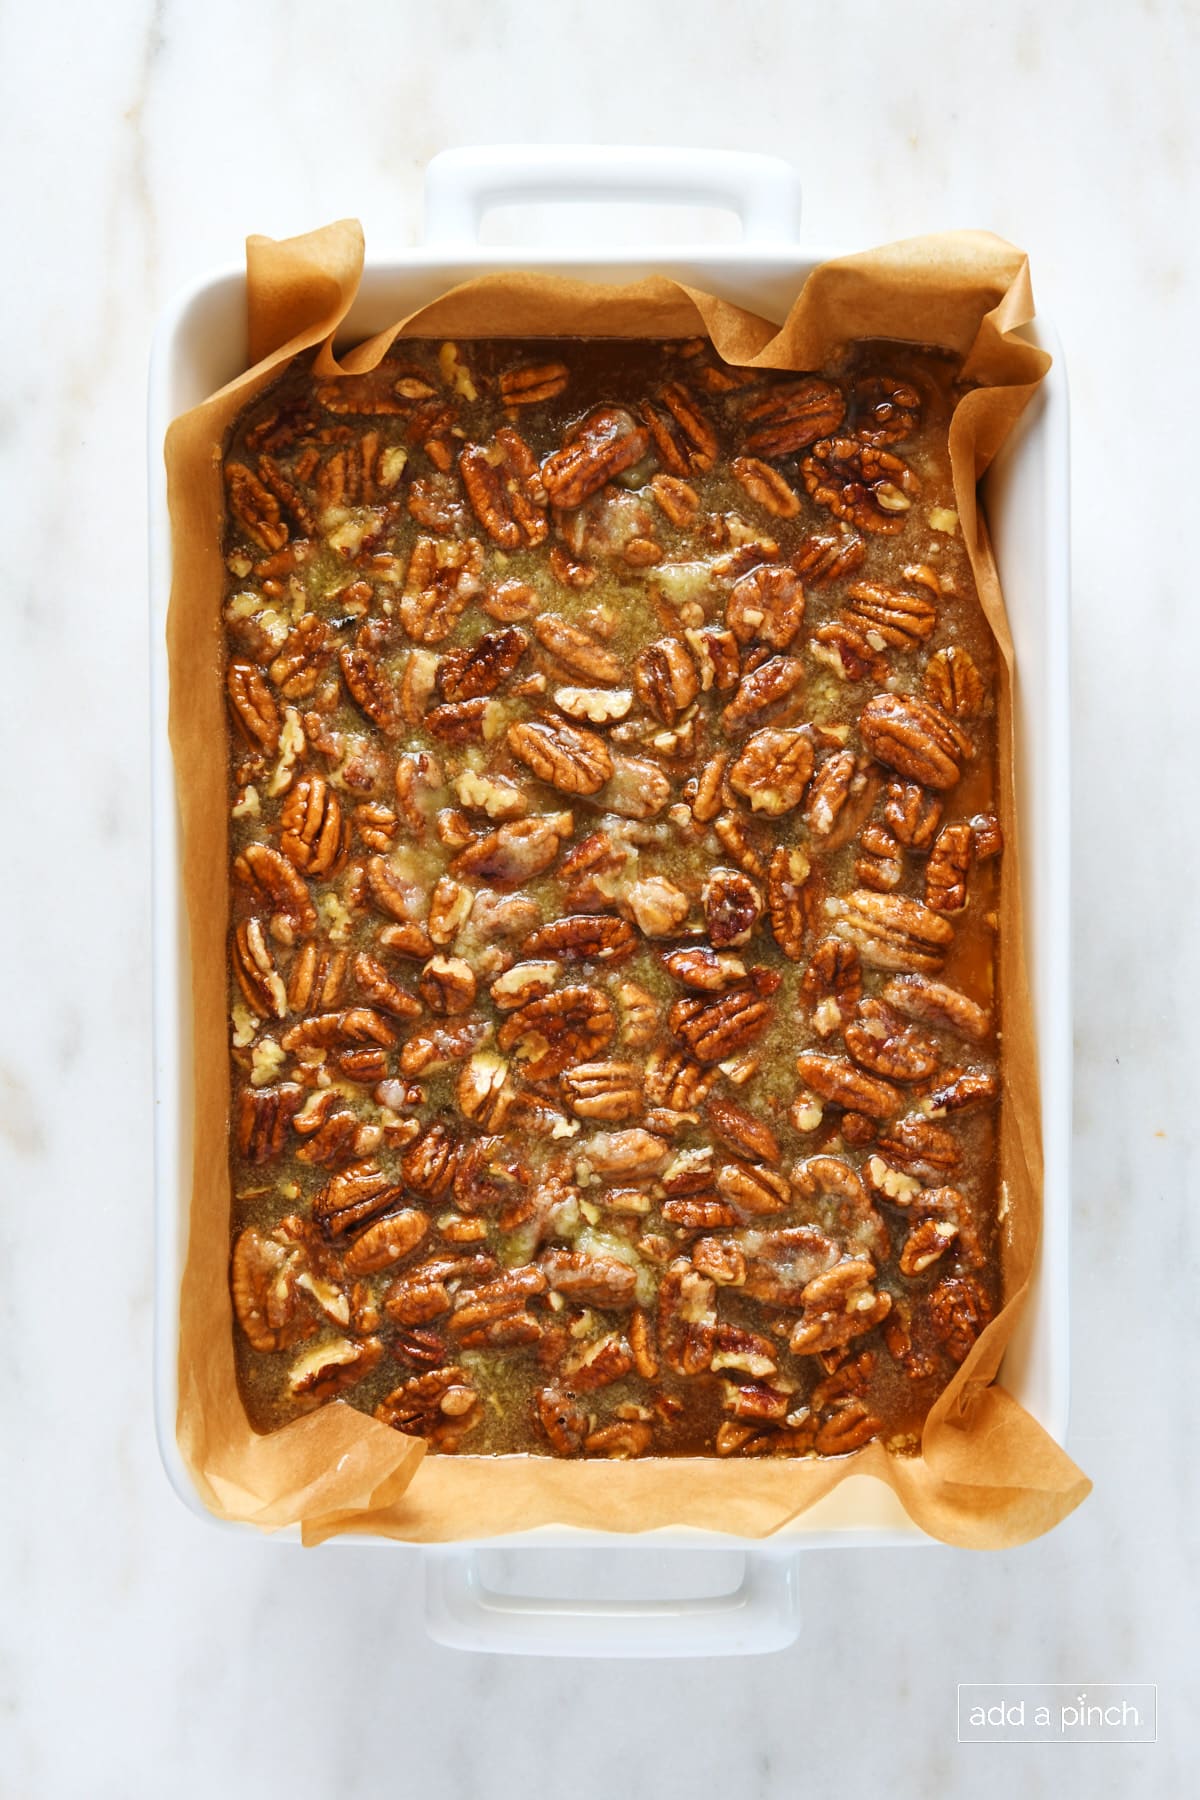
[464, 1614]
[461, 185]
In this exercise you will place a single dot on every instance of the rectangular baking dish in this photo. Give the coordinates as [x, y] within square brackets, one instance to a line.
[199, 345]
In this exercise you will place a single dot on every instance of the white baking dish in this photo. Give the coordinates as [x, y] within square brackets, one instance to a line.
[200, 344]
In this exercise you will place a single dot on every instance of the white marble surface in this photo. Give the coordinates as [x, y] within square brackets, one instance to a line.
[145, 1654]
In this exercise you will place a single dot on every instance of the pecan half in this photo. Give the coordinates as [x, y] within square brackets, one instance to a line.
[266, 1299]
[371, 686]
[313, 836]
[947, 869]
[879, 1042]
[839, 1082]
[683, 437]
[686, 1320]
[958, 1311]
[754, 1189]
[589, 1280]
[467, 674]
[912, 814]
[352, 1197]
[867, 487]
[605, 443]
[716, 1029]
[914, 738]
[561, 1419]
[765, 486]
[253, 705]
[571, 1026]
[773, 770]
[274, 883]
[900, 619]
[516, 852]
[793, 415]
[571, 759]
[921, 1147]
[255, 971]
[665, 678]
[767, 604]
[953, 683]
[576, 649]
[442, 579]
[741, 1131]
[825, 557]
[880, 861]
[885, 409]
[603, 1090]
[675, 1081]
[839, 1306]
[255, 507]
[532, 384]
[732, 908]
[891, 932]
[387, 1241]
[934, 1003]
[791, 899]
[763, 692]
[506, 495]
[583, 937]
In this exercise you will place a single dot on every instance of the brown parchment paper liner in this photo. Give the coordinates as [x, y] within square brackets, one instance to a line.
[988, 1474]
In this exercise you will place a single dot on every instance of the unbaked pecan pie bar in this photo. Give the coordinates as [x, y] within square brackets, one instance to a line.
[613, 900]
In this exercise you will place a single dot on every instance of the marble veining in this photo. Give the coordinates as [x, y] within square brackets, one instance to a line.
[142, 1653]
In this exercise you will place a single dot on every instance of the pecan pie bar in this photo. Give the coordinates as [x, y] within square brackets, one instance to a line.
[613, 875]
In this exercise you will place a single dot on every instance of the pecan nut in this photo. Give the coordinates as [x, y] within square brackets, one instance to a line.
[603, 1090]
[773, 770]
[605, 443]
[352, 1197]
[916, 739]
[867, 487]
[665, 678]
[793, 415]
[313, 837]
[767, 605]
[840, 1083]
[953, 683]
[718, 1028]
[894, 933]
[547, 1036]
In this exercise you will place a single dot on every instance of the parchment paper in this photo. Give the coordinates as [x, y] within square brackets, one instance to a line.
[988, 1475]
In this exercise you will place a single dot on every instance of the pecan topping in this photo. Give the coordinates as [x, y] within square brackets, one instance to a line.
[754, 1189]
[867, 487]
[606, 443]
[255, 971]
[255, 507]
[839, 1306]
[265, 1293]
[371, 686]
[794, 415]
[387, 1241]
[742, 1131]
[914, 738]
